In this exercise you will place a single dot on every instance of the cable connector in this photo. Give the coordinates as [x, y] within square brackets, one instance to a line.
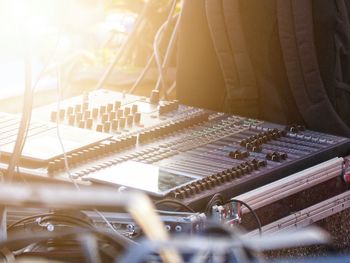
[228, 213]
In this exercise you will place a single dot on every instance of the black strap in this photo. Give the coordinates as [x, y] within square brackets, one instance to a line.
[226, 31]
[295, 25]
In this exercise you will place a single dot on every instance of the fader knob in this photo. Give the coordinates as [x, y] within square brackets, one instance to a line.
[126, 111]
[77, 108]
[71, 119]
[120, 113]
[102, 110]
[122, 122]
[112, 115]
[154, 98]
[104, 117]
[94, 112]
[62, 113]
[109, 107]
[99, 127]
[87, 114]
[89, 123]
[134, 108]
[117, 105]
[130, 119]
[79, 116]
[70, 110]
[82, 124]
[107, 126]
[85, 105]
[115, 125]
[137, 117]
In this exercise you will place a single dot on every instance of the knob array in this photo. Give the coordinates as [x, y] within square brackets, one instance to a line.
[173, 127]
[107, 118]
[218, 179]
[91, 153]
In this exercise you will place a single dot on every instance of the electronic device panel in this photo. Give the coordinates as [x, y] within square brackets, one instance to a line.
[42, 144]
[175, 151]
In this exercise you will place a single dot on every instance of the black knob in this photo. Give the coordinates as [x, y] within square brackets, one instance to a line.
[154, 98]
[115, 124]
[81, 124]
[87, 114]
[62, 113]
[109, 107]
[89, 123]
[130, 120]
[257, 148]
[134, 108]
[94, 112]
[85, 105]
[104, 117]
[120, 113]
[137, 117]
[69, 110]
[102, 110]
[99, 127]
[77, 108]
[71, 119]
[117, 105]
[78, 116]
[107, 126]
[112, 115]
[122, 122]
[126, 111]
[262, 163]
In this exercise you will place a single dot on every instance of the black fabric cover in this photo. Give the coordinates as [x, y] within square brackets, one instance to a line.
[332, 41]
[199, 77]
[296, 35]
[200, 80]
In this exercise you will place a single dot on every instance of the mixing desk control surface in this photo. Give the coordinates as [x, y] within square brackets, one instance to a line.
[187, 153]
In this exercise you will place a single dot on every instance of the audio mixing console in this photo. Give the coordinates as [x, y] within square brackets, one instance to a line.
[175, 151]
